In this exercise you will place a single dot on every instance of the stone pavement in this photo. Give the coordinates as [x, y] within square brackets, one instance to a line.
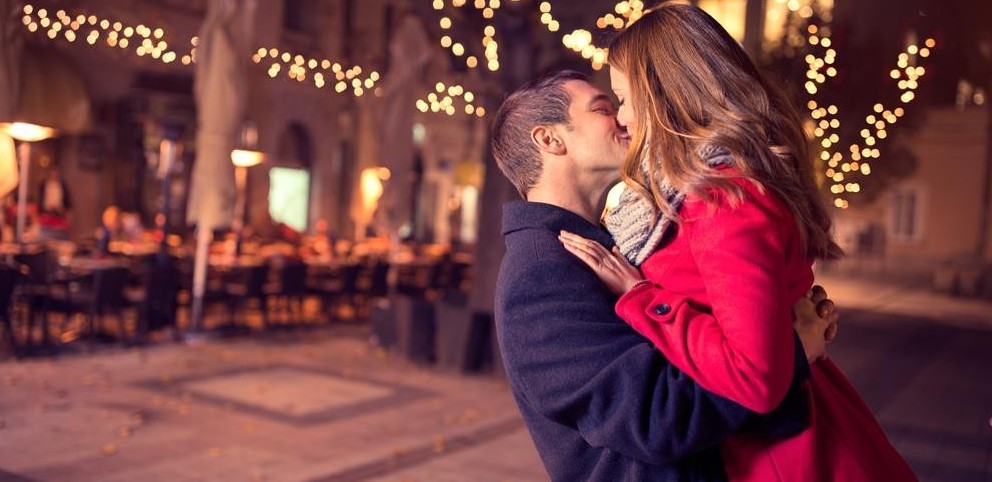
[905, 298]
[321, 405]
[301, 406]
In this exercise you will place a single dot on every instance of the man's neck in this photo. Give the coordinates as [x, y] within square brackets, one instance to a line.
[590, 207]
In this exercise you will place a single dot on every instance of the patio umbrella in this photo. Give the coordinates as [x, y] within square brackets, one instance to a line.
[10, 53]
[220, 88]
[410, 53]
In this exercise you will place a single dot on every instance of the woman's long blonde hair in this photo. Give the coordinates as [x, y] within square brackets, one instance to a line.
[691, 85]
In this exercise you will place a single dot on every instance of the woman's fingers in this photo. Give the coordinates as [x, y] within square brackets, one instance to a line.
[817, 293]
[831, 332]
[825, 307]
[587, 245]
[583, 253]
[579, 240]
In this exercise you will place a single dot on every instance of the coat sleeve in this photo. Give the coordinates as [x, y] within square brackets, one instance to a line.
[577, 364]
[741, 346]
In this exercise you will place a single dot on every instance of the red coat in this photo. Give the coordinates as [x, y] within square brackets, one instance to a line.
[720, 309]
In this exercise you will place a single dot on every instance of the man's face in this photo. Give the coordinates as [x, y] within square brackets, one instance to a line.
[595, 140]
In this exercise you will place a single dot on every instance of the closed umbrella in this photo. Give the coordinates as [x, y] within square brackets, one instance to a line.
[409, 54]
[220, 89]
[10, 53]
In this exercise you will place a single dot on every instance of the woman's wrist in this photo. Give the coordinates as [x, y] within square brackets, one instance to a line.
[638, 283]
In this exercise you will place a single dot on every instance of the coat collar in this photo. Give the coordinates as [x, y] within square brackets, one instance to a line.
[518, 215]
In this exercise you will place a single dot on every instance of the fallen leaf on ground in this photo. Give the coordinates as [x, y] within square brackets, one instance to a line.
[439, 444]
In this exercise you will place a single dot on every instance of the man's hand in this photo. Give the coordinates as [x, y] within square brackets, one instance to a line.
[816, 322]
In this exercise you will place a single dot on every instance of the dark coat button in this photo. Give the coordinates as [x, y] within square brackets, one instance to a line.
[662, 309]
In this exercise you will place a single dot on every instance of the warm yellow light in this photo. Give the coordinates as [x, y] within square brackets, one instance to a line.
[246, 158]
[26, 132]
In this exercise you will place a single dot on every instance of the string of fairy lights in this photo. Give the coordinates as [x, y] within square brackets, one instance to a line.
[91, 29]
[155, 43]
[844, 168]
[579, 40]
[444, 97]
[322, 72]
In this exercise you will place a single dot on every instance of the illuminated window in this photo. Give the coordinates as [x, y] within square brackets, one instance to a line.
[289, 197]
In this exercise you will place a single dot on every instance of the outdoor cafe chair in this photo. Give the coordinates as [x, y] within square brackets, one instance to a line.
[104, 295]
[10, 276]
[247, 285]
[291, 289]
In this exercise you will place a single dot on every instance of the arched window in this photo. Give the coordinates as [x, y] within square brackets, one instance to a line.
[289, 178]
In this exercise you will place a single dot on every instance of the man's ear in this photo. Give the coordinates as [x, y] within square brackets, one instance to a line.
[547, 140]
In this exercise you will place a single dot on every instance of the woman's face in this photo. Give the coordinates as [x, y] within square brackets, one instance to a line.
[621, 88]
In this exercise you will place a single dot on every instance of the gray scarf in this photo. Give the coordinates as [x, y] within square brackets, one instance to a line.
[637, 226]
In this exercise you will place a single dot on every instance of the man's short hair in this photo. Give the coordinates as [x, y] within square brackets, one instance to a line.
[540, 102]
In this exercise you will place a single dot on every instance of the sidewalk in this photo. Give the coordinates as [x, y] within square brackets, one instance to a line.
[902, 298]
[301, 406]
[320, 405]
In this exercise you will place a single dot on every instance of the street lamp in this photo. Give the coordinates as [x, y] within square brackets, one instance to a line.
[25, 133]
[242, 160]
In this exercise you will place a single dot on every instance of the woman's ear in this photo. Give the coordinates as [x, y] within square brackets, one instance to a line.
[547, 140]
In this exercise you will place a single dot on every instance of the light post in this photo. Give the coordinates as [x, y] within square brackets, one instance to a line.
[25, 133]
[242, 160]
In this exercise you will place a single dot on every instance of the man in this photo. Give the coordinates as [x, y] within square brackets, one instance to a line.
[601, 403]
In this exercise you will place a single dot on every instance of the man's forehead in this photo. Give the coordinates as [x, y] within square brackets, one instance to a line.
[581, 92]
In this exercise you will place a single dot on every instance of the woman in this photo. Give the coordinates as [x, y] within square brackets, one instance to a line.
[724, 218]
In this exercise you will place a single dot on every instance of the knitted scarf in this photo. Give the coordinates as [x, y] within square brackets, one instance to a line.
[637, 226]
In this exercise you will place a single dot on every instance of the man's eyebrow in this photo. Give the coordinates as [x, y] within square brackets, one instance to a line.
[600, 98]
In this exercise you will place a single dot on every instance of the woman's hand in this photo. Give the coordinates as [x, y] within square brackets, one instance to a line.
[815, 322]
[612, 268]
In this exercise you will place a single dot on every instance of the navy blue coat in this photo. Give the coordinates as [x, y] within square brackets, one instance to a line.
[601, 403]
